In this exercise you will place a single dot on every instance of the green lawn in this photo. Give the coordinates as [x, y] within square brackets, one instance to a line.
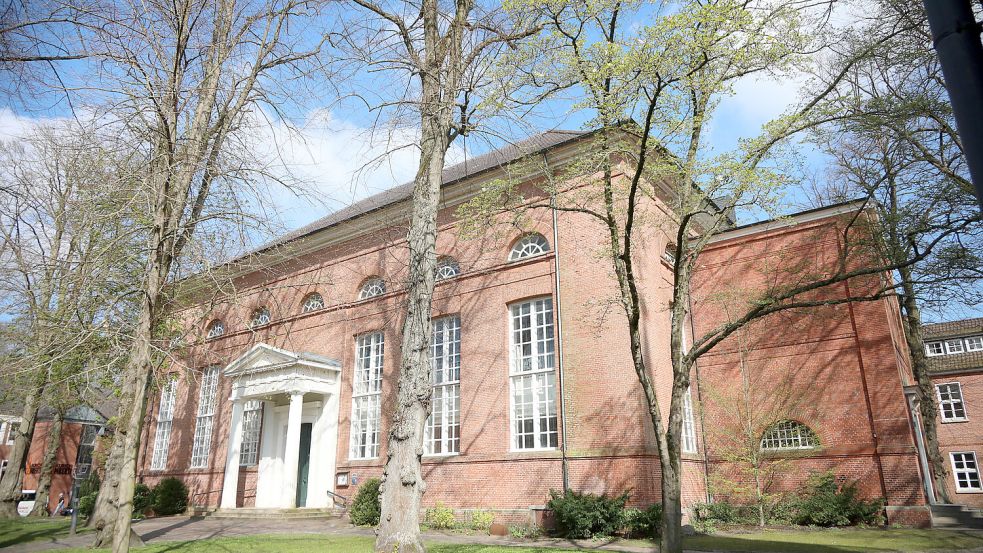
[30, 529]
[833, 540]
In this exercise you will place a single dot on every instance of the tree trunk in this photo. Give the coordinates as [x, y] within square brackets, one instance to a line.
[927, 405]
[103, 518]
[402, 486]
[13, 478]
[47, 465]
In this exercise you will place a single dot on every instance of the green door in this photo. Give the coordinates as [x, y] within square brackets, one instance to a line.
[304, 465]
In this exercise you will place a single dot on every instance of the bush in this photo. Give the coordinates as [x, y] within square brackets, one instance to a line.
[642, 523]
[722, 512]
[143, 499]
[87, 504]
[481, 520]
[828, 503]
[365, 507]
[529, 531]
[581, 516]
[170, 497]
[440, 517]
[90, 485]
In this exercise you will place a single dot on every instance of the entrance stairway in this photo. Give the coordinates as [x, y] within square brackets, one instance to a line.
[278, 514]
[956, 516]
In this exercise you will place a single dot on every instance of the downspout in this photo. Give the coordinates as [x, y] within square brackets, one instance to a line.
[558, 322]
[699, 398]
[910, 397]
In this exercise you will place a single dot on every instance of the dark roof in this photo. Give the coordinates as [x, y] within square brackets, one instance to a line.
[968, 361]
[454, 173]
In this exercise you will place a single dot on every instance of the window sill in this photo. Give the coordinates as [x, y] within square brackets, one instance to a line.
[439, 456]
[974, 490]
[947, 421]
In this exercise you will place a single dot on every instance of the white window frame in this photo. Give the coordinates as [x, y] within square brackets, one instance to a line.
[445, 356]
[260, 317]
[969, 473]
[252, 424]
[688, 434]
[929, 348]
[789, 436]
[530, 245]
[974, 343]
[162, 436]
[534, 371]
[447, 267]
[957, 342]
[312, 302]
[205, 421]
[669, 254]
[8, 435]
[954, 405]
[367, 396]
[215, 329]
[4, 425]
[372, 288]
[3, 467]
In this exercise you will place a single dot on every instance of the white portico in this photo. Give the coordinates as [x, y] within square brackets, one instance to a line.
[297, 445]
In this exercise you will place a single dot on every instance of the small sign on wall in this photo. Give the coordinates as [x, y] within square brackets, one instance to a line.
[341, 480]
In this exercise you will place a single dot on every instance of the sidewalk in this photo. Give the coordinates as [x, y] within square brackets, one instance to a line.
[198, 528]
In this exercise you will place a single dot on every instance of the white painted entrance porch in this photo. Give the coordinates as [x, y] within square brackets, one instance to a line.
[299, 392]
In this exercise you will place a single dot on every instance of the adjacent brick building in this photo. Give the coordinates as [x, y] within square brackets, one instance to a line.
[282, 395]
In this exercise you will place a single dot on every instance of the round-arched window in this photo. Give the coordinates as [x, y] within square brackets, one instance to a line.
[784, 435]
[529, 245]
[447, 267]
[371, 288]
[214, 329]
[260, 317]
[312, 302]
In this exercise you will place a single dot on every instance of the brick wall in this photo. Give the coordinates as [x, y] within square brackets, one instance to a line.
[964, 435]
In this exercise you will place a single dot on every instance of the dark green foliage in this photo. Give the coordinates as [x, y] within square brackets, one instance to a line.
[365, 507]
[89, 485]
[170, 497]
[87, 504]
[580, 516]
[825, 502]
[642, 523]
[143, 498]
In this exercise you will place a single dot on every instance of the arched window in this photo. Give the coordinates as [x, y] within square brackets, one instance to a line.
[260, 317]
[529, 245]
[214, 329]
[312, 302]
[371, 288]
[787, 434]
[669, 255]
[447, 267]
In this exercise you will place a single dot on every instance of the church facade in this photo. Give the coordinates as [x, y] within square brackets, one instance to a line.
[282, 398]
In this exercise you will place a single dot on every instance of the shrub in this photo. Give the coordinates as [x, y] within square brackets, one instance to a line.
[143, 499]
[365, 508]
[642, 523]
[90, 485]
[525, 531]
[170, 497]
[440, 517]
[828, 503]
[87, 504]
[585, 515]
[481, 520]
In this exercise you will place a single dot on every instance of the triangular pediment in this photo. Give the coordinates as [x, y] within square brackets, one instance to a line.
[264, 357]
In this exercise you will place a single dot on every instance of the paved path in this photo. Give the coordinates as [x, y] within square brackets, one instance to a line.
[185, 528]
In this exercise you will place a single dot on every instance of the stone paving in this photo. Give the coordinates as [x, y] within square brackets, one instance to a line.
[198, 528]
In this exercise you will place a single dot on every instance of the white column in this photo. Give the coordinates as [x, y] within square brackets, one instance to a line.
[230, 487]
[291, 457]
[323, 454]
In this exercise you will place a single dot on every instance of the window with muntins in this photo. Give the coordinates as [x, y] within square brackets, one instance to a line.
[787, 435]
[951, 406]
[260, 317]
[669, 254]
[529, 245]
[162, 438]
[532, 376]
[974, 343]
[966, 471]
[312, 302]
[954, 346]
[87, 446]
[934, 348]
[204, 422]
[371, 288]
[443, 431]
[252, 420]
[689, 424]
[367, 396]
[216, 328]
[447, 267]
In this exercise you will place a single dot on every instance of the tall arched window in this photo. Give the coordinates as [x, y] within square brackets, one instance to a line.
[447, 267]
[784, 435]
[371, 288]
[214, 329]
[530, 245]
[312, 302]
[669, 254]
[260, 317]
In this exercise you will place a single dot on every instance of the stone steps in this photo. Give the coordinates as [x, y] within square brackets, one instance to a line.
[278, 514]
[956, 516]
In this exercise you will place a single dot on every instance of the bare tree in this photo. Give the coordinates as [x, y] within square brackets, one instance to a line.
[441, 54]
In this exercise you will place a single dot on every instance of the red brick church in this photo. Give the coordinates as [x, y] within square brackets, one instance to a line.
[281, 400]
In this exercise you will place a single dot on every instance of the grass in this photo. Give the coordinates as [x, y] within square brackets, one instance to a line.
[862, 540]
[26, 530]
